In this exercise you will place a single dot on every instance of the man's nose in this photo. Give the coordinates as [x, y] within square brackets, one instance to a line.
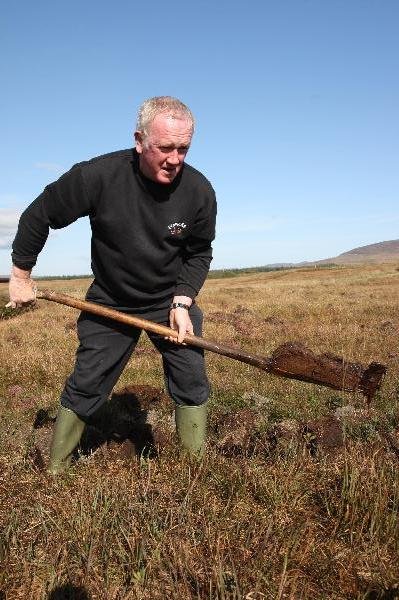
[173, 157]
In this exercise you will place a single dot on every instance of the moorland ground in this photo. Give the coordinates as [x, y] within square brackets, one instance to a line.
[307, 508]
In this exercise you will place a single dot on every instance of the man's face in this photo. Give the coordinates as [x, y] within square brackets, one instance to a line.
[162, 153]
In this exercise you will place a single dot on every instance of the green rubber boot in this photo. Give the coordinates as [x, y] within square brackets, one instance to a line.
[67, 433]
[191, 428]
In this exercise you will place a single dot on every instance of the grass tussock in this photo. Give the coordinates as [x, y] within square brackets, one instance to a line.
[290, 515]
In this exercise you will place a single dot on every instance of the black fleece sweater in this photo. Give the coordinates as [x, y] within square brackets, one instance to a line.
[149, 241]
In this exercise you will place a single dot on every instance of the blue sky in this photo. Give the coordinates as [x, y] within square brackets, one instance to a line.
[296, 102]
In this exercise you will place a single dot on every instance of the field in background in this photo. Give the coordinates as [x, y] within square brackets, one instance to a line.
[292, 517]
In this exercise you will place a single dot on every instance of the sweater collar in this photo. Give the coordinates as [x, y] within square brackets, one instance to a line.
[159, 191]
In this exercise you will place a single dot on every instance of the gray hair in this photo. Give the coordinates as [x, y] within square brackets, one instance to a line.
[161, 105]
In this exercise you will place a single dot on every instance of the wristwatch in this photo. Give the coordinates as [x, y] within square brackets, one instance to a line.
[179, 305]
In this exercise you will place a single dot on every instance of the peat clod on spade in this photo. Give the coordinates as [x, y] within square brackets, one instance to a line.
[295, 361]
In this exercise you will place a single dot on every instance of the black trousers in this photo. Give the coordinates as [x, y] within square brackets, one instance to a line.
[105, 348]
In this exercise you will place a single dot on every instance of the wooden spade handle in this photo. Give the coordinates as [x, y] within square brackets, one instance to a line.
[192, 340]
[290, 360]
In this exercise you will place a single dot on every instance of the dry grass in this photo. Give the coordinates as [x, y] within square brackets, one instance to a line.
[279, 521]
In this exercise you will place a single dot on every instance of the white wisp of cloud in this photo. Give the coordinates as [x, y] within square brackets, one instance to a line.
[9, 218]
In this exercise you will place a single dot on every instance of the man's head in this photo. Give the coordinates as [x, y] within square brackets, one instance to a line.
[163, 135]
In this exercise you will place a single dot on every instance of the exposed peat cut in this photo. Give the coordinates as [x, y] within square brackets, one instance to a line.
[138, 421]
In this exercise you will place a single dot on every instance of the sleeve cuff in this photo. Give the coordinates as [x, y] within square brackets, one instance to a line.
[25, 263]
[183, 289]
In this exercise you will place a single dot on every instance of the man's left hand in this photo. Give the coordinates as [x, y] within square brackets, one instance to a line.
[179, 319]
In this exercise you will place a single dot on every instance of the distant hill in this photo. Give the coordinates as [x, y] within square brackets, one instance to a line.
[373, 253]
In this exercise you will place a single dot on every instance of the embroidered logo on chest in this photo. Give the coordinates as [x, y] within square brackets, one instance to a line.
[176, 228]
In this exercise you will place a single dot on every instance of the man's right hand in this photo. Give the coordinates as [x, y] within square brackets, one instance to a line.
[22, 288]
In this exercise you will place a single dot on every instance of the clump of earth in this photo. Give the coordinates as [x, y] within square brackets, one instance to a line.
[139, 420]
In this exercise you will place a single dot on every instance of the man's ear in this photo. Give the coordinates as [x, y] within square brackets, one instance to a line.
[138, 136]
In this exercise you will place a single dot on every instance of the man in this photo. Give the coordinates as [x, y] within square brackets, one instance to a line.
[153, 221]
